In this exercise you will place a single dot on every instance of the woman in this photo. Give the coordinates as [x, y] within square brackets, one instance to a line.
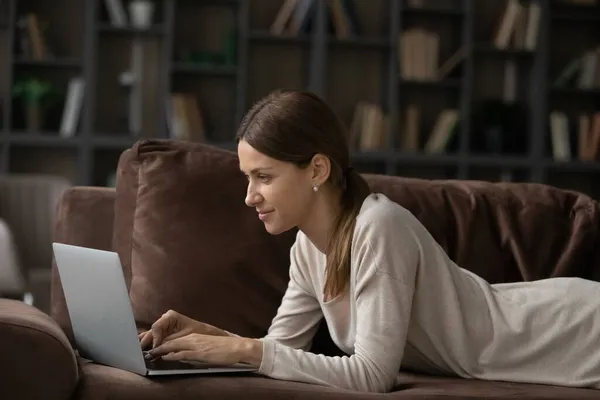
[391, 296]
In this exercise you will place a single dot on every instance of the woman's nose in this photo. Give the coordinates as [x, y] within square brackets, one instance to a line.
[252, 197]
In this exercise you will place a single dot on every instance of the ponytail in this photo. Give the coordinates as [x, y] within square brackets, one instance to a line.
[337, 274]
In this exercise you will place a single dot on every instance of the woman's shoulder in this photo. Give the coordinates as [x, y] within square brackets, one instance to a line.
[388, 232]
[381, 218]
[380, 209]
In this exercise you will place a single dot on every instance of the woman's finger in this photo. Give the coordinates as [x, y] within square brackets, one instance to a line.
[175, 345]
[176, 335]
[185, 355]
[159, 328]
[146, 339]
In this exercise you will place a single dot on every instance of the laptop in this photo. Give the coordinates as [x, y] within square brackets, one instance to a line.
[102, 318]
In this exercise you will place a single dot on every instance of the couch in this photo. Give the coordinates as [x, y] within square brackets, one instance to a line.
[188, 242]
[27, 206]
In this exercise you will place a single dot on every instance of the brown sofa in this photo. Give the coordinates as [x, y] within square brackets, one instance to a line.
[188, 242]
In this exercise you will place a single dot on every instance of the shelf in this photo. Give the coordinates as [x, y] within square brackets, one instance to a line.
[371, 156]
[128, 30]
[344, 71]
[434, 11]
[42, 139]
[574, 91]
[498, 160]
[573, 165]
[576, 13]
[267, 37]
[116, 142]
[191, 68]
[221, 2]
[443, 83]
[361, 42]
[59, 62]
[577, 18]
[492, 50]
[419, 158]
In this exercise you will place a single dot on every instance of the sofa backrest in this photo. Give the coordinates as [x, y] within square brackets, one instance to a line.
[188, 242]
[503, 231]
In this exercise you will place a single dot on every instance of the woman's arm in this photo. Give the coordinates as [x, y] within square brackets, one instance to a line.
[299, 313]
[387, 258]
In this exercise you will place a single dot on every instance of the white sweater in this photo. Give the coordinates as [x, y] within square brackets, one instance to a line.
[408, 305]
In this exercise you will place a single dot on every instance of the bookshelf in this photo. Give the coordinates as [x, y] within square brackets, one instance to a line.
[219, 56]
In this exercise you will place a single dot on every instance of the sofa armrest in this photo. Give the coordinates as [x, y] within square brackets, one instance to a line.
[84, 217]
[37, 359]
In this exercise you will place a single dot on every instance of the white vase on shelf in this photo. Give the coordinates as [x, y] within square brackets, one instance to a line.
[141, 13]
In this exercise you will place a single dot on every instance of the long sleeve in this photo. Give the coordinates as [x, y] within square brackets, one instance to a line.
[385, 257]
[299, 314]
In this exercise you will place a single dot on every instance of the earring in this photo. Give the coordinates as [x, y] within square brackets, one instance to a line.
[315, 188]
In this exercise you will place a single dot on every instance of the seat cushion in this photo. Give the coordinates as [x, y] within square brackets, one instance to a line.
[102, 383]
[37, 358]
[416, 386]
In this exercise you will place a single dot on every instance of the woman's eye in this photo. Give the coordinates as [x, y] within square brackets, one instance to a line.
[263, 178]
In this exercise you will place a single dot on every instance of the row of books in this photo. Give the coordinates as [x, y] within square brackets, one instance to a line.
[295, 17]
[30, 38]
[441, 133]
[569, 137]
[575, 137]
[185, 118]
[519, 26]
[418, 54]
[582, 71]
[370, 126]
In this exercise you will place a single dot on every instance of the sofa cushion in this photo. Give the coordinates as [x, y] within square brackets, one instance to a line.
[37, 359]
[190, 241]
[504, 232]
[100, 382]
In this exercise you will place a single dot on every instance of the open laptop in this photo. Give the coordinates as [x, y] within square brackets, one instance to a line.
[102, 318]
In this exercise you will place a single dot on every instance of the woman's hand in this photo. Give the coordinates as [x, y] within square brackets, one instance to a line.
[172, 325]
[223, 350]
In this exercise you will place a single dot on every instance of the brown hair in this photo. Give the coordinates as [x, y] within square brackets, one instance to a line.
[293, 126]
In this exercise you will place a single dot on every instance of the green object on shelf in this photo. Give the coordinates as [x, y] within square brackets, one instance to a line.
[206, 57]
[213, 58]
[32, 90]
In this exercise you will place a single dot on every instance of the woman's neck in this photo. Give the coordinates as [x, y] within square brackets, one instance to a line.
[321, 218]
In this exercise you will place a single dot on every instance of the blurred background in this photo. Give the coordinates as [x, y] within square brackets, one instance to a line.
[497, 90]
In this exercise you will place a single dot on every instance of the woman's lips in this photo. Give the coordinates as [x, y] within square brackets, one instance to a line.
[263, 215]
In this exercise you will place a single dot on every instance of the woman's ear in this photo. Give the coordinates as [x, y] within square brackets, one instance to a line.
[321, 168]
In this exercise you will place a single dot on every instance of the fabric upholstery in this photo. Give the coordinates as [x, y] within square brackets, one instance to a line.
[37, 359]
[504, 232]
[103, 383]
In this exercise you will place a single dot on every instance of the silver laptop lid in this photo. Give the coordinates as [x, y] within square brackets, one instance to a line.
[99, 306]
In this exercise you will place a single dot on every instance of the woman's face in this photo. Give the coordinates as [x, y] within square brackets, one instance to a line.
[280, 192]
